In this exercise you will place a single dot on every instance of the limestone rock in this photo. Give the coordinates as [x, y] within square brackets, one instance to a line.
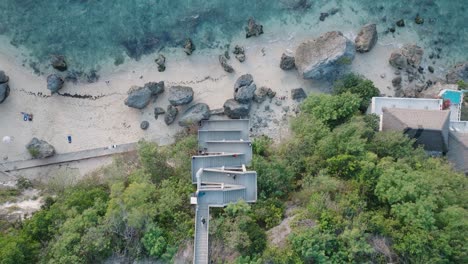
[287, 62]
[261, 94]
[180, 95]
[298, 94]
[321, 57]
[171, 114]
[226, 66]
[253, 29]
[40, 149]
[156, 88]
[366, 38]
[236, 110]
[138, 97]
[161, 62]
[239, 53]
[408, 55]
[194, 114]
[244, 89]
[189, 47]
[58, 62]
[3, 77]
[4, 92]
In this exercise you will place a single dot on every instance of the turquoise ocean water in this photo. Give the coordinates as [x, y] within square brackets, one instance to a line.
[89, 32]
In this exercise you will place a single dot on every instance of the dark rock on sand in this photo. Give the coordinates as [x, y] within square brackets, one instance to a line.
[244, 88]
[180, 95]
[324, 56]
[298, 94]
[4, 91]
[40, 149]
[3, 77]
[226, 66]
[236, 110]
[287, 62]
[239, 53]
[144, 125]
[194, 114]
[400, 23]
[171, 114]
[58, 62]
[189, 47]
[161, 62]
[366, 38]
[156, 88]
[158, 111]
[253, 29]
[408, 55]
[458, 73]
[430, 69]
[138, 97]
[392, 29]
[54, 83]
[419, 20]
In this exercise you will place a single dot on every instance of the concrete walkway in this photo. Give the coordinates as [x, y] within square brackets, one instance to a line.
[67, 157]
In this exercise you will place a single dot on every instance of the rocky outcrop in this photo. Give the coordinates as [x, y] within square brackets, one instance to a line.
[194, 114]
[138, 97]
[253, 29]
[54, 83]
[458, 73]
[4, 87]
[156, 88]
[324, 56]
[180, 95]
[144, 125]
[171, 114]
[58, 62]
[236, 110]
[239, 53]
[262, 93]
[226, 66]
[366, 38]
[161, 62]
[287, 62]
[189, 47]
[158, 111]
[40, 149]
[409, 55]
[298, 94]
[244, 89]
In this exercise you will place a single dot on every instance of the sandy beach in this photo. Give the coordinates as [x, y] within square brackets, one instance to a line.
[104, 120]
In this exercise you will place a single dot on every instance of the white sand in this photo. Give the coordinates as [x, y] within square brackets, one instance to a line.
[106, 121]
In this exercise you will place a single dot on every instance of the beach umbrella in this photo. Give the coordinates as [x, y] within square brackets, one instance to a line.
[6, 139]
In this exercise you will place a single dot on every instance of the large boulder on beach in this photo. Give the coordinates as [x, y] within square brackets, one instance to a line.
[244, 89]
[58, 62]
[287, 62]
[253, 29]
[156, 88]
[321, 57]
[236, 110]
[171, 114]
[180, 95]
[4, 91]
[366, 38]
[458, 73]
[54, 83]
[40, 149]
[410, 55]
[3, 77]
[138, 97]
[194, 114]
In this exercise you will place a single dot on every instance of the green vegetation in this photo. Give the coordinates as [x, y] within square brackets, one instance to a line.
[34, 152]
[462, 85]
[356, 196]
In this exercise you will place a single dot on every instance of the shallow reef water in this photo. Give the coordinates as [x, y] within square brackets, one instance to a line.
[89, 32]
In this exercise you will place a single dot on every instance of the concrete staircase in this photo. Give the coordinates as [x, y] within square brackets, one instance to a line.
[219, 170]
